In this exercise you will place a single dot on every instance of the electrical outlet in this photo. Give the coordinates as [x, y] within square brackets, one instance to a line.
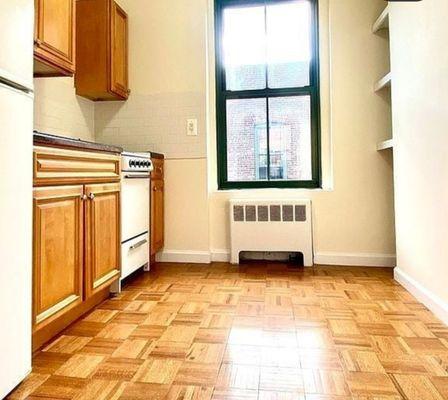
[192, 127]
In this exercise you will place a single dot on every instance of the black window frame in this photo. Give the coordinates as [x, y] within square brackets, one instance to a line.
[312, 90]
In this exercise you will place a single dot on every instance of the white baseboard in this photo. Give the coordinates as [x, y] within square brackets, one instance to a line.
[322, 258]
[355, 259]
[184, 256]
[220, 255]
[422, 294]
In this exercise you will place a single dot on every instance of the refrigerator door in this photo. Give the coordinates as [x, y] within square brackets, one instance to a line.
[16, 152]
[16, 42]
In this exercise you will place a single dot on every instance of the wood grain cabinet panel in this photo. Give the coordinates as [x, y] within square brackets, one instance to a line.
[157, 215]
[54, 37]
[58, 251]
[102, 236]
[119, 59]
[159, 170]
[76, 236]
[101, 50]
[63, 166]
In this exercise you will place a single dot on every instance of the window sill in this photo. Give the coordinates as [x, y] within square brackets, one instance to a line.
[270, 191]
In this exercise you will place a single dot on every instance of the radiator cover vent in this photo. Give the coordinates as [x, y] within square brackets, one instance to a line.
[275, 213]
[271, 226]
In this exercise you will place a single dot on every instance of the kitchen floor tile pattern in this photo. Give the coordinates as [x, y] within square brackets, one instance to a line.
[254, 332]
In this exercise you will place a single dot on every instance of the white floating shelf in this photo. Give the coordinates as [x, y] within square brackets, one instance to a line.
[384, 145]
[385, 81]
[382, 22]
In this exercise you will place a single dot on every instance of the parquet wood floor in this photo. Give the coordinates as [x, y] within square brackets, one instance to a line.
[257, 332]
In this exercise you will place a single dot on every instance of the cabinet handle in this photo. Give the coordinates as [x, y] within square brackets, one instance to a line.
[138, 244]
[159, 169]
[83, 197]
[91, 196]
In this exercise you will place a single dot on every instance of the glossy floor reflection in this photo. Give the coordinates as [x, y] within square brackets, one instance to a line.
[260, 331]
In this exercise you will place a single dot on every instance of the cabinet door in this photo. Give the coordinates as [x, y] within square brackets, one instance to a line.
[54, 37]
[58, 251]
[157, 215]
[102, 236]
[119, 51]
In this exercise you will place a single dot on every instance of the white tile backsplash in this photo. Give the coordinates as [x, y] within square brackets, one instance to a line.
[59, 111]
[154, 122]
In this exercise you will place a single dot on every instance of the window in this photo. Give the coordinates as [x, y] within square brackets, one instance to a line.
[267, 77]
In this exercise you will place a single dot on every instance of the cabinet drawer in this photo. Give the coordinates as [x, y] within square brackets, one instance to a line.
[61, 166]
[159, 170]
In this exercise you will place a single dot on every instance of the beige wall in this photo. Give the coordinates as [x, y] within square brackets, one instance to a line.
[168, 82]
[419, 50]
[167, 78]
[171, 77]
[353, 215]
[59, 111]
[186, 206]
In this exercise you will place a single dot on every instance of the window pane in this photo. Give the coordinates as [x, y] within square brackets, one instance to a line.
[244, 45]
[290, 138]
[246, 140]
[289, 44]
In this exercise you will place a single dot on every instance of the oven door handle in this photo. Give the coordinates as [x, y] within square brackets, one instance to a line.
[138, 244]
[137, 176]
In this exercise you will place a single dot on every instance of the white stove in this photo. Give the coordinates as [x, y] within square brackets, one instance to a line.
[135, 213]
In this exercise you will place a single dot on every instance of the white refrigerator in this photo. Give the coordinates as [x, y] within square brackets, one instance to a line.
[16, 146]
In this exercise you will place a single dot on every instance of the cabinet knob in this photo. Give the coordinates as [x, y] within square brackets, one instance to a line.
[91, 196]
[83, 197]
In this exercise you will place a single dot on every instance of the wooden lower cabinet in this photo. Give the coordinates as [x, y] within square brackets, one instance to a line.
[102, 236]
[58, 252]
[157, 215]
[77, 250]
[157, 204]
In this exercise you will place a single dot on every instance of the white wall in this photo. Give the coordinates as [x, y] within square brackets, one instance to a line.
[419, 49]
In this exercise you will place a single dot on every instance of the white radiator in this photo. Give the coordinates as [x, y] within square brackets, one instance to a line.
[271, 226]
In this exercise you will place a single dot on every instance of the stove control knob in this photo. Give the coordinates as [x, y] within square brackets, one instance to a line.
[131, 163]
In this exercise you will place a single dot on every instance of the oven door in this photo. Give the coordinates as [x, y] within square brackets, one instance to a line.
[135, 199]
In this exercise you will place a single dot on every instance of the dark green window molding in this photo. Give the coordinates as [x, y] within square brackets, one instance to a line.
[256, 103]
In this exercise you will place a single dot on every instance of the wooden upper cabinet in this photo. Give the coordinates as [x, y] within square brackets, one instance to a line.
[58, 251]
[101, 50]
[103, 242]
[54, 38]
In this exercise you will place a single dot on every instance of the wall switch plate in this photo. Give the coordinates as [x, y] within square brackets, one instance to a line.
[192, 127]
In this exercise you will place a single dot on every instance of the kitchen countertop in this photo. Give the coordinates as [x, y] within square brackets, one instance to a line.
[157, 155]
[45, 139]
